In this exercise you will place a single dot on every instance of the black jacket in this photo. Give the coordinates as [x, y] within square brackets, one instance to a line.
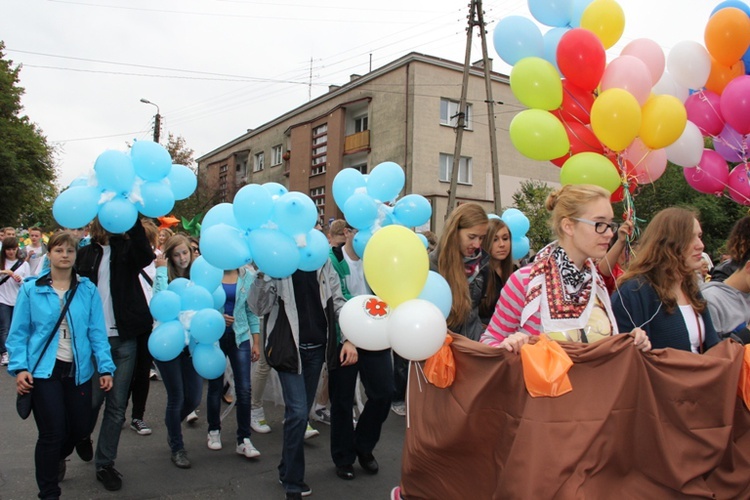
[129, 256]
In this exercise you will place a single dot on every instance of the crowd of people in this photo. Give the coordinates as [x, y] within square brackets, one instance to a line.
[75, 323]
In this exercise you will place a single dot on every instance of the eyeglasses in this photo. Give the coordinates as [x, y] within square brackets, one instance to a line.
[600, 226]
[196, 250]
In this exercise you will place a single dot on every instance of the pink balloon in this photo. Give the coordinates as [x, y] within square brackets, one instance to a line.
[628, 73]
[704, 109]
[739, 184]
[647, 164]
[710, 176]
[731, 145]
[735, 104]
[650, 53]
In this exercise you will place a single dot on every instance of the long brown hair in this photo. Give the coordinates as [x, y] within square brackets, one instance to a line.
[169, 246]
[451, 263]
[661, 257]
[738, 243]
[9, 243]
[494, 282]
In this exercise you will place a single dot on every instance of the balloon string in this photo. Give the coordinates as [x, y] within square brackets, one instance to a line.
[745, 199]
[740, 150]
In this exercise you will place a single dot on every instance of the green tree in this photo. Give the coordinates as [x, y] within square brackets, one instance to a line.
[199, 202]
[530, 199]
[26, 160]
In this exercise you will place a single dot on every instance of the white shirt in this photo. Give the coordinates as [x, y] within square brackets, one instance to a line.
[64, 342]
[105, 293]
[695, 326]
[355, 281]
[35, 260]
[9, 289]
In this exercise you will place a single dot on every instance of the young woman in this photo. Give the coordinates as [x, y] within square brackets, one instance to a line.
[164, 235]
[61, 377]
[241, 323]
[561, 293]
[497, 244]
[183, 384]
[12, 272]
[459, 259]
[659, 292]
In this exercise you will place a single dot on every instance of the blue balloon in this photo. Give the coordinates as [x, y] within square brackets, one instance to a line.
[223, 213]
[204, 274]
[165, 306]
[167, 341]
[195, 298]
[520, 247]
[294, 213]
[178, 285]
[182, 181]
[275, 189]
[252, 205]
[225, 247]
[150, 160]
[220, 297]
[114, 171]
[516, 37]
[412, 210]
[424, 240]
[576, 12]
[81, 180]
[551, 41]
[518, 225]
[746, 61]
[510, 213]
[385, 181]
[551, 12]
[360, 241]
[737, 4]
[385, 216]
[315, 253]
[118, 215]
[274, 252]
[207, 326]
[158, 199]
[437, 291]
[76, 206]
[209, 361]
[345, 184]
[360, 211]
[494, 216]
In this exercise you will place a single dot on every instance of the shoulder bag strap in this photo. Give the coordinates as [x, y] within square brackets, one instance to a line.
[13, 268]
[57, 325]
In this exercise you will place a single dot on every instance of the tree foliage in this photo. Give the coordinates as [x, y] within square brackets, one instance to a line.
[199, 202]
[530, 199]
[27, 166]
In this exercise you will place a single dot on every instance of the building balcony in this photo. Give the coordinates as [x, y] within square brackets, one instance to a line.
[357, 142]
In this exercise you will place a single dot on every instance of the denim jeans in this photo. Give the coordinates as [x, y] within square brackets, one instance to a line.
[240, 358]
[258, 379]
[6, 314]
[299, 394]
[375, 370]
[184, 390]
[123, 354]
[62, 411]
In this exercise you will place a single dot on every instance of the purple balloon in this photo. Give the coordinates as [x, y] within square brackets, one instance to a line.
[731, 145]
[710, 176]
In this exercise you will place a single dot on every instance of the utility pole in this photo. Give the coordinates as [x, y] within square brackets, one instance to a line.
[157, 119]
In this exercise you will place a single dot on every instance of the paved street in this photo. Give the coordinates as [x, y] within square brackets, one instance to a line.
[148, 472]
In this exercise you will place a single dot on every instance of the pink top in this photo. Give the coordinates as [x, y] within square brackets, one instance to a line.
[507, 317]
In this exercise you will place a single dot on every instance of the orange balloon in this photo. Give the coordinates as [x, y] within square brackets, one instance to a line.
[721, 75]
[727, 35]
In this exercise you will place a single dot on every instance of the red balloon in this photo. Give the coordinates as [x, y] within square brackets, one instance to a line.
[582, 140]
[619, 194]
[576, 104]
[581, 58]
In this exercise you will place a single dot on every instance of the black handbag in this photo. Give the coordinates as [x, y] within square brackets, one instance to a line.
[23, 401]
[280, 349]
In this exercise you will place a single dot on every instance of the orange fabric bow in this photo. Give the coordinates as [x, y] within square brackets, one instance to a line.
[545, 368]
[743, 387]
[440, 368]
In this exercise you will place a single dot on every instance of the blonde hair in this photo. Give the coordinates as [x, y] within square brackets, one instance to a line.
[451, 263]
[169, 246]
[569, 201]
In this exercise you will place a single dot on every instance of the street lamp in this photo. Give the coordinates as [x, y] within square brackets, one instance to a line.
[157, 119]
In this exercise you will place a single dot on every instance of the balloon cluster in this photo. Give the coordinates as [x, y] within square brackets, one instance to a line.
[518, 225]
[143, 180]
[408, 311]
[368, 201]
[268, 225]
[187, 313]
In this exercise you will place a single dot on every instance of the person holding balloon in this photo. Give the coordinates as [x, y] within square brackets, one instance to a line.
[183, 384]
[561, 293]
[498, 246]
[240, 323]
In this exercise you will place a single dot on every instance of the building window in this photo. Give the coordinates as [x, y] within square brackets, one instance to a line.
[276, 155]
[449, 113]
[260, 162]
[362, 168]
[318, 195]
[446, 167]
[319, 149]
[361, 124]
[223, 169]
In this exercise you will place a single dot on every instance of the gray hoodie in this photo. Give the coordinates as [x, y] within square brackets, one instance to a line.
[729, 308]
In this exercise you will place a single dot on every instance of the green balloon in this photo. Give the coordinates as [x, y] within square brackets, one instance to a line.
[590, 168]
[536, 83]
[539, 135]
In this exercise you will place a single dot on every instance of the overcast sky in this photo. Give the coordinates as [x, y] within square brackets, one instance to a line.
[219, 67]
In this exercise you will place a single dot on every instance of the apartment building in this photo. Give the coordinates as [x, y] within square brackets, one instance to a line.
[403, 112]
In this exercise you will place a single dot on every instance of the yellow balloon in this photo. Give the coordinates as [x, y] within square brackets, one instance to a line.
[605, 19]
[395, 264]
[664, 120]
[616, 118]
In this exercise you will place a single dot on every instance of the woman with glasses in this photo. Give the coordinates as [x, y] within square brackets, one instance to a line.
[561, 293]
[660, 291]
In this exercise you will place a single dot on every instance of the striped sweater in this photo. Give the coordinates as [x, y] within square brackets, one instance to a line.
[507, 317]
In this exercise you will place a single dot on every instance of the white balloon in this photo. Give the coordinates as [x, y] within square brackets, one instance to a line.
[688, 149]
[417, 329]
[364, 321]
[690, 64]
[667, 85]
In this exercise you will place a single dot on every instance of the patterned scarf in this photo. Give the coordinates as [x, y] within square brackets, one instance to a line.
[564, 294]
[472, 265]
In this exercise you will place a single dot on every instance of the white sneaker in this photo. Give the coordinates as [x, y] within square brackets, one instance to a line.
[246, 448]
[192, 418]
[399, 408]
[4, 359]
[310, 432]
[258, 422]
[214, 440]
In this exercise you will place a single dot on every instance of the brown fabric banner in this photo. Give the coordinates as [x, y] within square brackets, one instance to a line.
[666, 424]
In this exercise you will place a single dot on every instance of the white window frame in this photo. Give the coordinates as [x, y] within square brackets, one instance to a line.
[465, 168]
[259, 161]
[363, 122]
[449, 112]
[276, 155]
